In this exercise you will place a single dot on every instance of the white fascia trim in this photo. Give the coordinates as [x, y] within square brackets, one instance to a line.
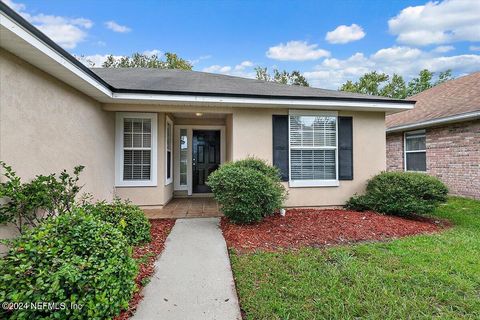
[434, 122]
[268, 102]
[26, 36]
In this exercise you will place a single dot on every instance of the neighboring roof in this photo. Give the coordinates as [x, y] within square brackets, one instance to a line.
[456, 99]
[202, 83]
[170, 86]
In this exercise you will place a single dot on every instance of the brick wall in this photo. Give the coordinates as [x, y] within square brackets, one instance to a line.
[453, 155]
[395, 151]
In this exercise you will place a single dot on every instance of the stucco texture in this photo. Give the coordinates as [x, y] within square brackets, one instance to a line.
[47, 126]
[249, 133]
[152, 196]
[252, 136]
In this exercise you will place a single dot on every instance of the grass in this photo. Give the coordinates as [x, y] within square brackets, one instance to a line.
[420, 277]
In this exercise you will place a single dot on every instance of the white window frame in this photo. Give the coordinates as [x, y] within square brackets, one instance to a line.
[313, 183]
[168, 121]
[418, 132]
[119, 122]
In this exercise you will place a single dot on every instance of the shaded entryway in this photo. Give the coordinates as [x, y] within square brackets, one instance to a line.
[201, 207]
[193, 279]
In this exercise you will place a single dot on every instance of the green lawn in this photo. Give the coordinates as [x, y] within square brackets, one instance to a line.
[421, 277]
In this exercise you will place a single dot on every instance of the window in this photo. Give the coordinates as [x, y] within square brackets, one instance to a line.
[168, 151]
[313, 148]
[135, 145]
[415, 151]
[183, 156]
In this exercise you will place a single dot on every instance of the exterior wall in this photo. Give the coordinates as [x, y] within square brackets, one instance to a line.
[395, 151]
[47, 126]
[252, 136]
[228, 133]
[158, 196]
[453, 156]
[152, 196]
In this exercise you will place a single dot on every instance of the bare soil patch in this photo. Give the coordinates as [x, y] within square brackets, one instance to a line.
[147, 254]
[321, 228]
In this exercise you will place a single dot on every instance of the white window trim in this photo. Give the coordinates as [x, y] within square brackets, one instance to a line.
[119, 119]
[168, 121]
[419, 132]
[313, 183]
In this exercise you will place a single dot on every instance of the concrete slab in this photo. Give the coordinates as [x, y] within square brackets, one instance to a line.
[186, 208]
[193, 279]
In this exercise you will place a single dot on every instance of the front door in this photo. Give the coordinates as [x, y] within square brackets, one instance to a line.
[205, 158]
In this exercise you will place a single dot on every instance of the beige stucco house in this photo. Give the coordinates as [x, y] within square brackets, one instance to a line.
[151, 135]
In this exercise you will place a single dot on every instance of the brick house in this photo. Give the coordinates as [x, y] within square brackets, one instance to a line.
[441, 135]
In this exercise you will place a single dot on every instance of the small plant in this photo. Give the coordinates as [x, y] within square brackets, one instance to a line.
[401, 193]
[247, 190]
[26, 204]
[145, 281]
[70, 259]
[126, 217]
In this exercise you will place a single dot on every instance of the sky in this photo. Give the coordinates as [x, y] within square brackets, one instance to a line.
[330, 42]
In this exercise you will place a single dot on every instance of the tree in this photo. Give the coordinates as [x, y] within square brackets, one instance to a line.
[369, 83]
[420, 83]
[381, 84]
[444, 76]
[396, 88]
[283, 77]
[378, 84]
[139, 60]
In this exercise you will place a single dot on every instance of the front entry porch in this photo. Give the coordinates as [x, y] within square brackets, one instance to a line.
[191, 207]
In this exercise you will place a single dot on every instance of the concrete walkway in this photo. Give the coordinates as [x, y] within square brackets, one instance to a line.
[193, 278]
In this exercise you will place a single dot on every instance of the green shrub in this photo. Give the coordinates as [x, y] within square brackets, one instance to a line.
[401, 193]
[26, 204]
[247, 191]
[126, 217]
[74, 258]
[260, 165]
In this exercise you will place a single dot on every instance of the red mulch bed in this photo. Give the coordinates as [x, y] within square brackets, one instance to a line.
[321, 228]
[159, 231]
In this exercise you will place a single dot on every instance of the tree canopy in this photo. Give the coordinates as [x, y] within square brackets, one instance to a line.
[381, 84]
[139, 60]
[283, 77]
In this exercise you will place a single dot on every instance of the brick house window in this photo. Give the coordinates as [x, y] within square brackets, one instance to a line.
[415, 151]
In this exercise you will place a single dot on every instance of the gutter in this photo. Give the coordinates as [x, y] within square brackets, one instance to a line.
[434, 122]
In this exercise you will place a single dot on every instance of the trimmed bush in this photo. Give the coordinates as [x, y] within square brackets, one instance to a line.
[401, 193]
[126, 217]
[247, 190]
[74, 258]
[260, 165]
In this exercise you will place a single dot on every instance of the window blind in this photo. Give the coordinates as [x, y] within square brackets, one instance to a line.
[313, 144]
[137, 148]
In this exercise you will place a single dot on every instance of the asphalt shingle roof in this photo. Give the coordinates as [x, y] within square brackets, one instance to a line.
[202, 83]
[454, 97]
